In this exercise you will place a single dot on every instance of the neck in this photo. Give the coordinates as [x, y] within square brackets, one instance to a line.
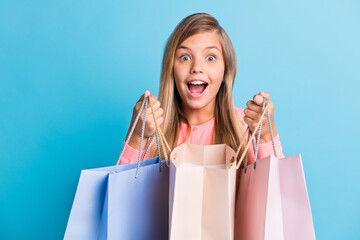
[199, 116]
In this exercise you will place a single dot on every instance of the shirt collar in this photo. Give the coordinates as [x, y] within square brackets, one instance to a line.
[202, 126]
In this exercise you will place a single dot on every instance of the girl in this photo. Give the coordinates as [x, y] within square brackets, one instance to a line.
[195, 99]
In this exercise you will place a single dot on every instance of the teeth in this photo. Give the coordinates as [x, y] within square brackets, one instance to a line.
[197, 82]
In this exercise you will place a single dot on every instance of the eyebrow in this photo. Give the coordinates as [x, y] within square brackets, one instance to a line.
[209, 47]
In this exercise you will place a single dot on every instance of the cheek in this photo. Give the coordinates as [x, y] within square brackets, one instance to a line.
[176, 74]
[180, 73]
[217, 73]
[178, 77]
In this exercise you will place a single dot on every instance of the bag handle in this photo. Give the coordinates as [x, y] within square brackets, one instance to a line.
[247, 152]
[143, 105]
[259, 125]
[162, 139]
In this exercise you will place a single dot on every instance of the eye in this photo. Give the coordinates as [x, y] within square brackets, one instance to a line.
[184, 58]
[211, 58]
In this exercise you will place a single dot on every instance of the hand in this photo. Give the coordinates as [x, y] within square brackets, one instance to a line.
[149, 122]
[253, 114]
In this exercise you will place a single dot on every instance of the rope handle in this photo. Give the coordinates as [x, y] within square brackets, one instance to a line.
[162, 139]
[131, 132]
[144, 105]
[264, 111]
[259, 137]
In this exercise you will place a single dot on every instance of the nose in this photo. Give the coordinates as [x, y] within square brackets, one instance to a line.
[196, 67]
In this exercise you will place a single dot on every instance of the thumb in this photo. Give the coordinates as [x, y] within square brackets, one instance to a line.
[145, 95]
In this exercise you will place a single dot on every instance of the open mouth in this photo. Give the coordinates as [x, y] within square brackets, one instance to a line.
[196, 88]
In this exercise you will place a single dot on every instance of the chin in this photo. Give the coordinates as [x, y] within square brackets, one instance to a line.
[196, 105]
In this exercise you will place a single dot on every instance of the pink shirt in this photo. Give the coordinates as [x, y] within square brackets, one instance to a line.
[202, 135]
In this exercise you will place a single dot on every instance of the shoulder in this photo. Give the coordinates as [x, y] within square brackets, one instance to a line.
[240, 112]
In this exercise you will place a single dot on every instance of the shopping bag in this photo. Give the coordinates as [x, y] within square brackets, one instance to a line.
[136, 208]
[110, 203]
[122, 202]
[272, 200]
[202, 192]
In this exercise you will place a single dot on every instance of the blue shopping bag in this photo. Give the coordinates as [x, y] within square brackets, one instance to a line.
[122, 202]
[137, 208]
[110, 203]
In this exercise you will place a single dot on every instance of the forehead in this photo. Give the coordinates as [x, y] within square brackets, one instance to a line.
[200, 41]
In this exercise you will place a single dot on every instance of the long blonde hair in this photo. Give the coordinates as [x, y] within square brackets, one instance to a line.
[228, 128]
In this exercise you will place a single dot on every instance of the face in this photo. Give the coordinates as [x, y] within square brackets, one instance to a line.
[199, 70]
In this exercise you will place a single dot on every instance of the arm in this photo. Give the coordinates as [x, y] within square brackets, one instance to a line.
[131, 155]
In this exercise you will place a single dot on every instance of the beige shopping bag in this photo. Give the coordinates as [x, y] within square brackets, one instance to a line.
[202, 192]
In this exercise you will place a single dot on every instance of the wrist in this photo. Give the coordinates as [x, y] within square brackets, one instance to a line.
[267, 137]
[134, 142]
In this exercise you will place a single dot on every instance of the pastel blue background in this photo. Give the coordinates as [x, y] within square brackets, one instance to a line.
[71, 72]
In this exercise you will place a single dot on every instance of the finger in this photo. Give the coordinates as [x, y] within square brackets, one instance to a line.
[155, 105]
[252, 106]
[153, 99]
[148, 109]
[160, 120]
[159, 112]
[251, 114]
[250, 123]
[265, 95]
[258, 99]
[138, 106]
[141, 98]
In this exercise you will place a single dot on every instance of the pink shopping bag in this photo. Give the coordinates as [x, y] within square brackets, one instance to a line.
[272, 200]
